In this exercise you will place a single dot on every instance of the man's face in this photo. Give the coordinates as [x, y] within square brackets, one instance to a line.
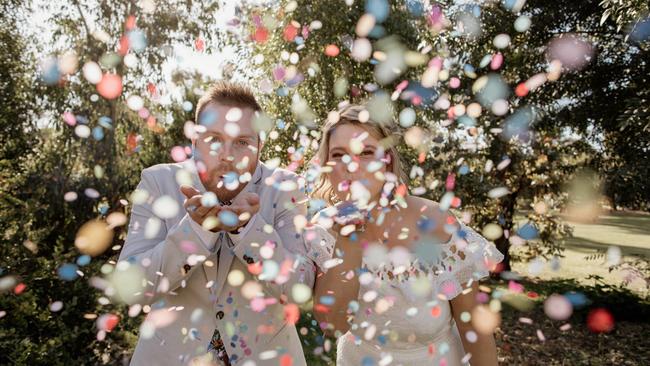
[226, 148]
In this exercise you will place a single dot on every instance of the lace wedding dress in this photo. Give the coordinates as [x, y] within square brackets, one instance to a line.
[403, 313]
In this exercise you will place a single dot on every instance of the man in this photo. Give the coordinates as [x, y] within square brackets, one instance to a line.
[221, 273]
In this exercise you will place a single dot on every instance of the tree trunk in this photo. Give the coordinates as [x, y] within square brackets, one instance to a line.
[508, 214]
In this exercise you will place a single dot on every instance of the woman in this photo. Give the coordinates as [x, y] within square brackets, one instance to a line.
[401, 285]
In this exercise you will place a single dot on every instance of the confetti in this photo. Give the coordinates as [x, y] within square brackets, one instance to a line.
[82, 131]
[501, 41]
[485, 320]
[300, 293]
[110, 86]
[93, 238]
[407, 117]
[379, 9]
[600, 320]
[498, 192]
[135, 102]
[56, 306]
[68, 63]
[572, 51]
[332, 50]
[492, 231]
[522, 23]
[361, 49]
[557, 307]
[50, 71]
[165, 207]
[68, 272]
[365, 25]
[234, 115]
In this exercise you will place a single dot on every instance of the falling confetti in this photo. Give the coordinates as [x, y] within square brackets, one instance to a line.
[110, 86]
[93, 238]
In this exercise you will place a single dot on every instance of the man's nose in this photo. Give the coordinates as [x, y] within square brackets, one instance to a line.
[225, 153]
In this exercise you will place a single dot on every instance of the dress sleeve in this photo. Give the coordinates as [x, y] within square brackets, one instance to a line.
[467, 256]
[320, 246]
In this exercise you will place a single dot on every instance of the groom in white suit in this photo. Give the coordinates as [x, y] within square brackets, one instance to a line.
[223, 245]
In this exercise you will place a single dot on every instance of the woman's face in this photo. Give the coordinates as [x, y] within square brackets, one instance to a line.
[352, 151]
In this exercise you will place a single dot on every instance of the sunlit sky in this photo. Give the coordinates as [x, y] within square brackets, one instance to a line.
[39, 24]
[185, 57]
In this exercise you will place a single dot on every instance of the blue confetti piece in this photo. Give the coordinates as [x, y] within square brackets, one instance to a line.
[106, 122]
[577, 299]
[103, 209]
[427, 95]
[466, 121]
[381, 339]
[50, 72]
[187, 106]
[509, 4]
[415, 7]
[137, 40]
[428, 252]
[83, 260]
[81, 119]
[377, 31]
[228, 218]
[426, 224]
[68, 272]
[476, 11]
[379, 9]
[98, 133]
[230, 178]
[327, 300]
[528, 231]
[208, 117]
[464, 169]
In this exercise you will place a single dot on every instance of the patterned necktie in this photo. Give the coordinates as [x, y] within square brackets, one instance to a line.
[216, 346]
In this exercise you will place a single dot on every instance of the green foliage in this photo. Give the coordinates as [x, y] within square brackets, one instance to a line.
[41, 165]
[537, 168]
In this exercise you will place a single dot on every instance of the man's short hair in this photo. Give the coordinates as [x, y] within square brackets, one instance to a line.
[228, 93]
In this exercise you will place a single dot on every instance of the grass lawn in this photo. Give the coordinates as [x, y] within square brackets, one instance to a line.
[629, 231]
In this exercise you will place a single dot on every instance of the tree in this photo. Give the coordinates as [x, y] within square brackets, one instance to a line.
[82, 164]
[532, 159]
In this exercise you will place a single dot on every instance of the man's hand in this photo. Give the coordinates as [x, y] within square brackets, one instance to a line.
[243, 208]
[195, 209]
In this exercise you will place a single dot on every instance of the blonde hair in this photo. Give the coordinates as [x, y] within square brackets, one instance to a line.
[350, 114]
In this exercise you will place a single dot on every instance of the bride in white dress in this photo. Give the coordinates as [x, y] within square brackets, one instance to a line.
[399, 284]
